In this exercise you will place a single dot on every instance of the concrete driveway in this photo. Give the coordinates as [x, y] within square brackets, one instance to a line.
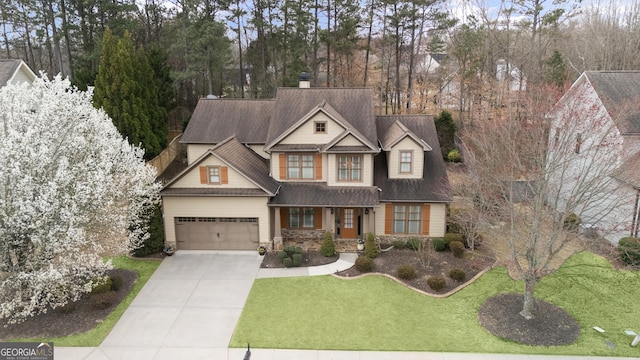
[187, 310]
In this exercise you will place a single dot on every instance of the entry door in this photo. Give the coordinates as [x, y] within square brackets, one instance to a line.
[349, 228]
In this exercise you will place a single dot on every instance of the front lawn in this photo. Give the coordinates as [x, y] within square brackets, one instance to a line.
[376, 313]
[94, 337]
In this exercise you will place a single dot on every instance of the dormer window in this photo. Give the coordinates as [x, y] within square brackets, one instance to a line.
[406, 161]
[214, 174]
[320, 127]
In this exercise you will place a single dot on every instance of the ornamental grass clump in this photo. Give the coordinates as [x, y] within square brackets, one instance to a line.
[415, 244]
[364, 264]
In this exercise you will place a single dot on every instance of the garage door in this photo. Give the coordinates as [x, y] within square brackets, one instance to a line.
[213, 233]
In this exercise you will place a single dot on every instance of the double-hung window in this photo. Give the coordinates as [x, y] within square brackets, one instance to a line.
[406, 219]
[300, 166]
[406, 161]
[301, 218]
[213, 174]
[349, 168]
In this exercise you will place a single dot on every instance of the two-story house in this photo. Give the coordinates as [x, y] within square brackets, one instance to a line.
[309, 161]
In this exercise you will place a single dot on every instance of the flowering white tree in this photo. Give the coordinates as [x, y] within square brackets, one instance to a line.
[71, 189]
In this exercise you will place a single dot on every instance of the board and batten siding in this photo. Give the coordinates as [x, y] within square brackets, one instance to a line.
[241, 207]
[437, 219]
[393, 159]
[305, 133]
[367, 171]
[192, 178]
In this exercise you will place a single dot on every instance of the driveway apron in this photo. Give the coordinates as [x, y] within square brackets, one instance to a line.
[188, 309]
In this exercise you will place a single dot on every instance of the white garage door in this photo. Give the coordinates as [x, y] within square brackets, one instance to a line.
[213, 233]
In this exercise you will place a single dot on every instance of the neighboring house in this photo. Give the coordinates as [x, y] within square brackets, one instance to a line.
[511, 75]
[311, 160]
[599, 120]
[14, 71]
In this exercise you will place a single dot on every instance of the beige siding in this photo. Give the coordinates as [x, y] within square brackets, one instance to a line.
[394, 159]
[215, 207]
[192, 179]
[305, 134]
[349, 141]
[437, 219]
[259, 149]
[21, 77]
[194, 151]
[332, 171]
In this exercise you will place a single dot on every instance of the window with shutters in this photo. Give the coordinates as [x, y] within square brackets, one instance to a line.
[300, 166]
[213, 175]
[301, 218]
[406, 219]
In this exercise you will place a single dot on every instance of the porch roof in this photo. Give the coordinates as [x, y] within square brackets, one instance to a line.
[319, 194]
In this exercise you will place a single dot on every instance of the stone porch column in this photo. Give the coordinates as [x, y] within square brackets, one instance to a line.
[277, 232]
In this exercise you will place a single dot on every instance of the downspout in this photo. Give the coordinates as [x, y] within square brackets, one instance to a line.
[634, 225]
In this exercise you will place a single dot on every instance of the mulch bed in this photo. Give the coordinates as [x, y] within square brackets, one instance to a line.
[78, 317]
[551, 326]
[436, 263]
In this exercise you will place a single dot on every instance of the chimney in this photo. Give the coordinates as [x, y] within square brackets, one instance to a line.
[304, 82]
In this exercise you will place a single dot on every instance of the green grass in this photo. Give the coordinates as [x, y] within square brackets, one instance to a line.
[375, 313]
[94, 337]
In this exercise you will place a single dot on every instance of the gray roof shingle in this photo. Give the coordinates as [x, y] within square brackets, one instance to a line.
[619, 91]
[320, 194]
[7, 68]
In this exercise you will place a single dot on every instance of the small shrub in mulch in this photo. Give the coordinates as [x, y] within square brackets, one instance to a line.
[457, 274]
[364, 264]
[399, 244]
[370, 246]
[414, 244]
[451, 237]
[439, 244]
[406, 272]
[437, 282]
[328, 247]
[457, 248]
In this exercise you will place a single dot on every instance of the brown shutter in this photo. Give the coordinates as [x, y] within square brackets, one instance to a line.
[317, 218]
[203, 175]
[318, 166]
[224, 175]
[388, 217]
[284, 218]
[283, 167]
[426, 215]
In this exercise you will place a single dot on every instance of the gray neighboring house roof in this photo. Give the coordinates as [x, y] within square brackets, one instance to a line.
[9, 68]
[215, 120]
[240, 158]
[320, 194]
[619, 91]
[434, 185]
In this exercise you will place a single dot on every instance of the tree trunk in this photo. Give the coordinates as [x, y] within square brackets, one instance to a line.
[529, 304]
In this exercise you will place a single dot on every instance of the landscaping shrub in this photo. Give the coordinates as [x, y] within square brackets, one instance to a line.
[446, 130]
[414, 244]
[406, 272]
[297, 259]
[398, 244]
[629, 250]
[328, 247]
[370, 246]
[437, 282]
[297, 250]
[364, 264]
[103, 300]
[450, 237]
[439, 244]
[457, 274]
[155, 242]
[116, 283]
[571, 222]
[290, 250]
[288, 262]
[282, 255]
[457, 248]
[101, 286]
[454, 156]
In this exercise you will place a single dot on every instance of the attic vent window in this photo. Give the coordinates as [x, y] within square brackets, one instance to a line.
[320, 127]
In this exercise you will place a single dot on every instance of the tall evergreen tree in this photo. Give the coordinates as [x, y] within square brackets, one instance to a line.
[124, 89]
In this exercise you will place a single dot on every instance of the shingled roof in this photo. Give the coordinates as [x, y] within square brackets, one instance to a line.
[215, 120]
[619, 91]
[8, 69]
[434, 186]
[320, 194]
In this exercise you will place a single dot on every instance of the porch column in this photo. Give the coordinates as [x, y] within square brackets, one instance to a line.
[330, 219]
[277, 232]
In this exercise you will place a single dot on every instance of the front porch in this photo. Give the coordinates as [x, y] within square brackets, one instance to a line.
[341, 245]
